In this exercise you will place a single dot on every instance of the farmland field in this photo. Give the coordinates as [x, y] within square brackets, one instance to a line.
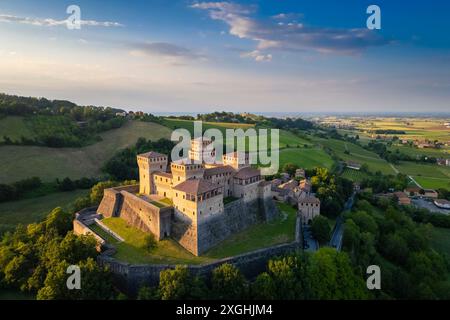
[32, 210]
[20, 162]
[307, 158]
[353, 175]
[427, 175]
[14, 128]
[356, 154]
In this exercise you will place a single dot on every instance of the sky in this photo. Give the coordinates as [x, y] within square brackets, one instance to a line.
[252, 56]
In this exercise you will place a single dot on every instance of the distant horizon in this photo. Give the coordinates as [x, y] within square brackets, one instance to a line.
[244, 55]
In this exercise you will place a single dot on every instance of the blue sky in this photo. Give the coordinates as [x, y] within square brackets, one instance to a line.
[271, 55]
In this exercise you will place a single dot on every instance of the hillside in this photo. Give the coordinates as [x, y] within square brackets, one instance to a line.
[19, 162]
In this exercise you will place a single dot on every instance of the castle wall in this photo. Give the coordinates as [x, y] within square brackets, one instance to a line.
[130, 277]
[248, 192]
[145, 216]
[237, 216]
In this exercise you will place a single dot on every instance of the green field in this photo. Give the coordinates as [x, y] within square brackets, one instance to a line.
[14, 128]
[354, 175]
[427, 175]
[20, 162]
[35, 209]
[356, 154]
[168, 251]
[307, 158]
[414, 152]
[259, 236]
[133, 251]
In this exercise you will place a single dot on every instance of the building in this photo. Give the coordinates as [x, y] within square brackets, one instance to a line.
[185, 199]
[353, 165]
[300, 173]
[402, 198]
[308, 208]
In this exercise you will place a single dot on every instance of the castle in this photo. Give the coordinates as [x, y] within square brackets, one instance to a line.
[193, 202]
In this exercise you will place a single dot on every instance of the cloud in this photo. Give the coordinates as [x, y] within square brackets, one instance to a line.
[164, 49]
[258, 56]
[54, 23]
[289, 36]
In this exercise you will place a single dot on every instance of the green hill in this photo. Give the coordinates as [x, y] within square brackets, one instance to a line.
[19, 162]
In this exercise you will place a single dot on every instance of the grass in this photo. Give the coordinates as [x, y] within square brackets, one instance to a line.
[133, 249]
[103, 234]
[306, 157]
[427, 175]
[35, 209]
[14, 128]
[168, 251]
[351, 152]
[259, 236]
[20, 162]
[354, 175]
[440, 240]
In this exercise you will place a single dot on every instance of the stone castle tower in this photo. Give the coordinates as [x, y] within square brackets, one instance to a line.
[150, 163]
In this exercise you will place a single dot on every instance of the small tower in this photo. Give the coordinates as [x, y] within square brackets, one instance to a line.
[149, 163]
[237, 160]
[183, 170]
[202, 150]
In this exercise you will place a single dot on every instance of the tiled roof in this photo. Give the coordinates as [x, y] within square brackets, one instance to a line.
[218, 170]
[152, 154]
[247, 172]
[195, 186]
[310, 199]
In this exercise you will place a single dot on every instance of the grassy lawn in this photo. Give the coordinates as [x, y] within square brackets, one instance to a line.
[34, 209]
[440, 240]
[259, 236]
[168, 251]
[19, 162]
[103, 234]
[306, 157]
[133, 249]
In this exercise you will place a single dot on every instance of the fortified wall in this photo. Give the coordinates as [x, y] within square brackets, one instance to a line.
[130, 278]
[237, 216]
[136, 211]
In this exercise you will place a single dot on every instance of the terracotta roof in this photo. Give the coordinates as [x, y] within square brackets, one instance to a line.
[400, 194]
[195, 186]
[289, 185]
[152, 154]
[247, 172]
[218, 170]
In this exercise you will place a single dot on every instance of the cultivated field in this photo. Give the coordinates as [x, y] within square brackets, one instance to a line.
[19, 162]
[34, 209]
[307, 158]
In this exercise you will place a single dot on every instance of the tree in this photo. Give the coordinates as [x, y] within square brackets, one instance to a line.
[96, 283]
[178, 284]
[290, 168]
[263, 288]
[320, 229]
[228, 283]
[59, 220]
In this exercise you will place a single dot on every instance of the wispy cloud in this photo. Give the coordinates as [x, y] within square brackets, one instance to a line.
[48, 22]
[288, 34]
[257, 55]
[165, 50]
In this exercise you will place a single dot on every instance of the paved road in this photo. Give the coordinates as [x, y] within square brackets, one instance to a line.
[336, 238]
